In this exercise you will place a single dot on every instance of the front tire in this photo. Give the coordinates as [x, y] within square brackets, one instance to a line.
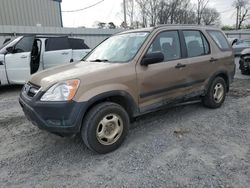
[105, 127]
[216, 93]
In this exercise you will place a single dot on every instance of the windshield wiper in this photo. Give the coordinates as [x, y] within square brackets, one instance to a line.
[99, 60]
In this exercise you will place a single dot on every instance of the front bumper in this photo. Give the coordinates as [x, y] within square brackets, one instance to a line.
[62, 118]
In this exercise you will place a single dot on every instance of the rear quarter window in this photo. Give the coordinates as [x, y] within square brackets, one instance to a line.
[77, 44]
[220, 40]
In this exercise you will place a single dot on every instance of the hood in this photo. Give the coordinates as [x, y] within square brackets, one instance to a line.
[78, 70]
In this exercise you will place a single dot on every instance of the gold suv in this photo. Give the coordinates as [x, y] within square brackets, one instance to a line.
[130, 74]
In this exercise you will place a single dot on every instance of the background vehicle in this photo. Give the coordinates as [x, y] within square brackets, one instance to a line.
[26, 55]
[245, 62]
[240, 45]
[232, 41]
[128, 75]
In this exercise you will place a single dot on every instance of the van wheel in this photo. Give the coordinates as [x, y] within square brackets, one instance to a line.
[105, 127]
[216, 93]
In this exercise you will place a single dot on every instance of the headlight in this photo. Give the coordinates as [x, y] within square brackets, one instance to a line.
[62, 91]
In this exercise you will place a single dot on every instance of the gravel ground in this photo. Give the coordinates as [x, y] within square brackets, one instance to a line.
[185, 146]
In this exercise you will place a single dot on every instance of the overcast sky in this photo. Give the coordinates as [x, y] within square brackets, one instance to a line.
[111, 11]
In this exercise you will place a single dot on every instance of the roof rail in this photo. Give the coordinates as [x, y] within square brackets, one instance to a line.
[164, 25]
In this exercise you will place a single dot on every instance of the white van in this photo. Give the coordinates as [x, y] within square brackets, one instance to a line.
[26, 55]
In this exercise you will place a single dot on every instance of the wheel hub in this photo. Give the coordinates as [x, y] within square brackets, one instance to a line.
[109, 129]
[218, 92]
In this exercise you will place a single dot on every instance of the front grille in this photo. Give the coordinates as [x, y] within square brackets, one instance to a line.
[30, 89]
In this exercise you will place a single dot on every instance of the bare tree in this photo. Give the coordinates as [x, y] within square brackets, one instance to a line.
[201, 5]
[143, 12]
[176, 12]
[210, 16]
[152, 9]
[184, 13]
[130, 4]
[174, 6]
[243, 14]
[163, 13]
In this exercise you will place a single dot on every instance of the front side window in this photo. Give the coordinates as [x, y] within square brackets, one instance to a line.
[219, 39]
[168, 43]
[24, 45]
[196, 43]
[118, 48]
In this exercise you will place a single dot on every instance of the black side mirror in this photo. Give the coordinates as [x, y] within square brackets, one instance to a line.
[152, 58]
[10, 49]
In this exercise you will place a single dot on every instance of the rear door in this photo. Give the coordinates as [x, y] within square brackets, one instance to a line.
[18, 62]
[57, 52]
[80, 49]
[200, 62]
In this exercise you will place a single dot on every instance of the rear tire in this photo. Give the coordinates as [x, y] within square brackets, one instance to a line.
[216, 93]
[105, 127]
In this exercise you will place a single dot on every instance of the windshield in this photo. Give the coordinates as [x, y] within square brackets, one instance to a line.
[8, 44]
[118, 48]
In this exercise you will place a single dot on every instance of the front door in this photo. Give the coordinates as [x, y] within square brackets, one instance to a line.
[163, 81]
[18, 62]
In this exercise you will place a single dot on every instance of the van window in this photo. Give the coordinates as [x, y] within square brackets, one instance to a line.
[24, 45]
[77, 44]
[57, 43]
[219, 39]
[168, 43]
[196, 43]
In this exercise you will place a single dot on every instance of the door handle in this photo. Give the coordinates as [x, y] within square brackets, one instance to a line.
[24, 56]
[65, 53]
[1, 63]
[213, 60]
[179, 65]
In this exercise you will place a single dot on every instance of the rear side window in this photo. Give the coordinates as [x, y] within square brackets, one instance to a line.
[77, 44]
[219, 39]
[57, 43]
[196, 43]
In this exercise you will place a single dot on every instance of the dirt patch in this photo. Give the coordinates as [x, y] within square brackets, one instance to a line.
[239, 92]
[240, 88]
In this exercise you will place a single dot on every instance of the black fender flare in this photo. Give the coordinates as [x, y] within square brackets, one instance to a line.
[222, 73]
[130, 105]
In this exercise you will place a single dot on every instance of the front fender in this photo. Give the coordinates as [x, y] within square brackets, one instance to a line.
[120, 96]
